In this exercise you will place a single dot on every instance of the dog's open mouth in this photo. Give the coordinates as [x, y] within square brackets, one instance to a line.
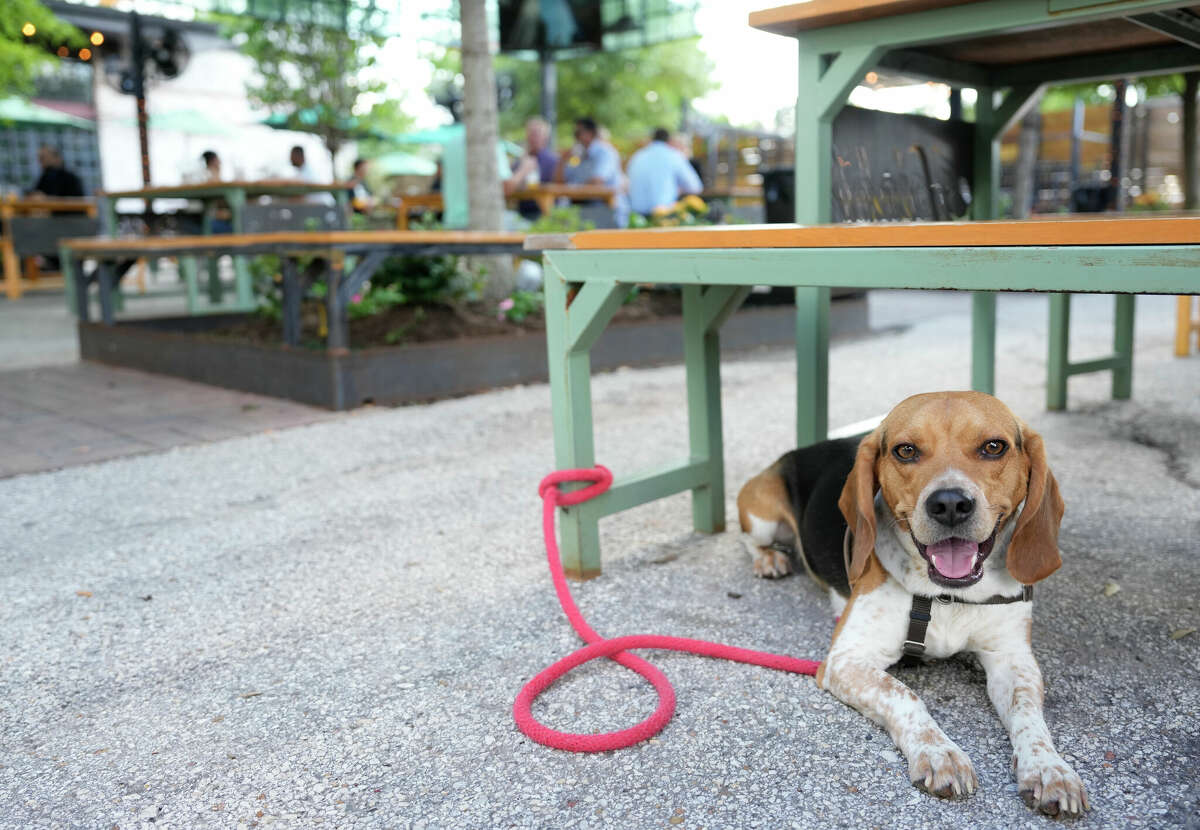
[957, 563]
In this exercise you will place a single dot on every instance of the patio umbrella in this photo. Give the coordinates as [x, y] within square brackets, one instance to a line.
[188, 121]
[445, 134]
[399, 163]
[15, 110]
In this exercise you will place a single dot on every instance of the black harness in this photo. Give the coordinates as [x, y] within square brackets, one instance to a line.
[920, 615]
[922, 607]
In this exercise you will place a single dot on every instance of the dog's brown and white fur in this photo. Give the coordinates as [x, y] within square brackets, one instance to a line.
[891, 493]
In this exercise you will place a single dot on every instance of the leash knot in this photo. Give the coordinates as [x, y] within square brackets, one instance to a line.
[600, 476]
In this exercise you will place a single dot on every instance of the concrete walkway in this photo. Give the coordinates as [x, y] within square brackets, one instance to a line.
[56, 412]
[326, 625]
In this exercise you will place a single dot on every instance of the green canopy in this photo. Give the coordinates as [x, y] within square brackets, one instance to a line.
[19, 111]
[311, 117]
[447, 133]
[184, 121]
[400, 163]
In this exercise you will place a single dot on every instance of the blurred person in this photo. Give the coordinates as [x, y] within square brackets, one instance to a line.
[659, 175]
[212, 165]
[301, 171]
[361, 198]
[56, 179]
[592, 160]
[536, 166]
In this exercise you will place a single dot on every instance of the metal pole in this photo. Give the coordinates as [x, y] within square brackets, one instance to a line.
[1191, 182]
[1076, 142]
[139, 91]
[1116, 143]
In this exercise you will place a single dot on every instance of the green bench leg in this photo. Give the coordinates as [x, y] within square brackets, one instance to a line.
[570, 334]
[983, 342]
[1056, 359]
[704, 312]
[812, 365]
[1122, 373]
[191, 283]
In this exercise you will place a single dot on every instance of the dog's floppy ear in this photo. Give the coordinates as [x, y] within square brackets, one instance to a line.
[1033, 551]
[857, 504]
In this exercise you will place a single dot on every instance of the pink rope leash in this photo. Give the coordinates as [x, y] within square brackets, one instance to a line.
[617, 648]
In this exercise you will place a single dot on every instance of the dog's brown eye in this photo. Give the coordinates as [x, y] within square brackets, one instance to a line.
[994, 448]
[905, 452]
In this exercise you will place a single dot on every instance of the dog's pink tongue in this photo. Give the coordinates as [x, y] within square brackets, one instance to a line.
[953, 558]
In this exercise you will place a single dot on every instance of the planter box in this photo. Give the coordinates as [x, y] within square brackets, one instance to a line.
[417, 372]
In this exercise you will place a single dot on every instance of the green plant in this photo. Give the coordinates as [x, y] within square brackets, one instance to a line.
[567, 219]
[688, 211]
[519, 305]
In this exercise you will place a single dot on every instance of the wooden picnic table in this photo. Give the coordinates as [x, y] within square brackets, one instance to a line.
[12, 207]
[370, 248]
[235, 195]
[718, 267]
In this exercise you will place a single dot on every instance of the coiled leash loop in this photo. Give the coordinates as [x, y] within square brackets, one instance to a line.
[616, 649]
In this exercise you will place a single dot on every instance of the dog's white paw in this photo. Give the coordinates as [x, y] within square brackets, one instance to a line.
[771, 564]
[942, 769]
[1051, 787]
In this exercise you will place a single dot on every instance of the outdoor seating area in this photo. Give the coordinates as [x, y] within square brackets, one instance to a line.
[852, 340]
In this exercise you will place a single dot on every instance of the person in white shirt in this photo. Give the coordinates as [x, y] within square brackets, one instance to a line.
[301, 171]
[659, 175]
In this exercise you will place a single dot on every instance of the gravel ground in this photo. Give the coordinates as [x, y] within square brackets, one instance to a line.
[325, 626]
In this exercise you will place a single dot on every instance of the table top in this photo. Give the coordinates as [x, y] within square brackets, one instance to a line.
[1122, 230]
[1042, 31]
[332, 239]
[202, 190]
[27, 203]
[817, 14]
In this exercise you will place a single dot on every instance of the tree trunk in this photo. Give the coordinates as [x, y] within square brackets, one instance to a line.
[485, 199]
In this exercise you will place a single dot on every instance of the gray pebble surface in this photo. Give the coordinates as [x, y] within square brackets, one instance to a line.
[326, 626]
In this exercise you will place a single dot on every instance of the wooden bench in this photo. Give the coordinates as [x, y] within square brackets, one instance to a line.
[718, 267]
[368, 248]
[32, 227]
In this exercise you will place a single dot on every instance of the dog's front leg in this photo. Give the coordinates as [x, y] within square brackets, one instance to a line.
[1044, 779]
[935, 763]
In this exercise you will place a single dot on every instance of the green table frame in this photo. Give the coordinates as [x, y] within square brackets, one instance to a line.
[834, 58]
[235, 194]
[716, 281]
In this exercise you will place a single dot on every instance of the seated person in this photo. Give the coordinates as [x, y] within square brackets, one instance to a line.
[659, 175]
[594, 161]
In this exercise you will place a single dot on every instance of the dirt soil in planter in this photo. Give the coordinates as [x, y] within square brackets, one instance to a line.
[421, 324]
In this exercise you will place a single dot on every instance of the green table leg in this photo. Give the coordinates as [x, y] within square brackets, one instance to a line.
[187, 269]
[702, 358]
[570, 334]
[1057, 359]
[983, 342]
[214, 275]
[241, 268]
[812, 365]
[1122, 373]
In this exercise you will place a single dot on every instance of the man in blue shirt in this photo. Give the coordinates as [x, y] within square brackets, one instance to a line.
[659, 175]
[594, 161]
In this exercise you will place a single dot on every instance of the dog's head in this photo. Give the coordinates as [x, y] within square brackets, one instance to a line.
[953, 469]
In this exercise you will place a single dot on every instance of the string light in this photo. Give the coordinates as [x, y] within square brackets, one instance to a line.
[97, 38]
[85, 54]
[872, 77]
[63, 51]
[29, 30]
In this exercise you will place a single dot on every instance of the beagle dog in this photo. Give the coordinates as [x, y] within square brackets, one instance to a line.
[929, 534]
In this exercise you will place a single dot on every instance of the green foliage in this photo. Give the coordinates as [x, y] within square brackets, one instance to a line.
[20, 57]
[317, 77]
[519, 305]
[631, 91]
[1058, 98]
[566, 219]
[687, 212]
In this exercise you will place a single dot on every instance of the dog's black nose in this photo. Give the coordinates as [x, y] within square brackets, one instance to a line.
[950, 506]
